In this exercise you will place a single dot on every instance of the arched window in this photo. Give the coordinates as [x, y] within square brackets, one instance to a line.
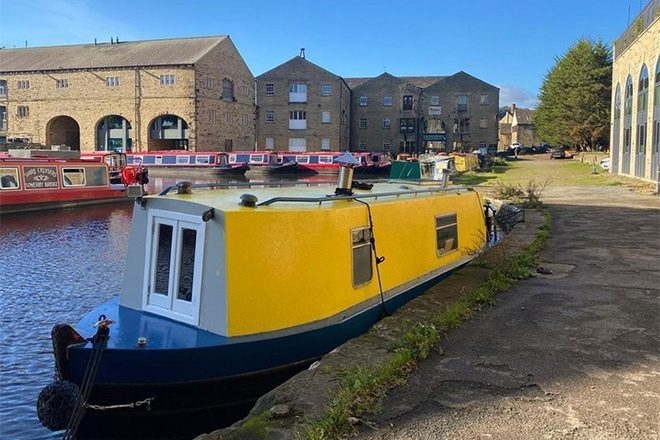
[656, 93]
[643, 89]
[627, 104]
[617, 103]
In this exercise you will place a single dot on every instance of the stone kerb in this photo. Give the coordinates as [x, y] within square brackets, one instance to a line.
[309, 394]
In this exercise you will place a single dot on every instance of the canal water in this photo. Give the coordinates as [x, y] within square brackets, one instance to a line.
[54, 267]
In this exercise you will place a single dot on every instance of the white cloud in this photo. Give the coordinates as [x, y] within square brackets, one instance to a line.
[520, 97]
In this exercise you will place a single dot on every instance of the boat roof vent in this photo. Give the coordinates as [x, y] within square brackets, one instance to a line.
[184, 187]
[249, 200]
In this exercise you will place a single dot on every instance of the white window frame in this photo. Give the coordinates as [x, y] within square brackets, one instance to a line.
[325, 146]
[168, 305]
[326, 89]
[270, 89]
[435, 100]
[325, 117]
[387, 101]
[364, 101]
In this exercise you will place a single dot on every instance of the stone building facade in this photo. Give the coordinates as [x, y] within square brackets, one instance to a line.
[302, 107]
[423, 114]
[193, 93]
[635, 123]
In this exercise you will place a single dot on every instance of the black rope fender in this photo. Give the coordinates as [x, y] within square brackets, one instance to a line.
[99, 343]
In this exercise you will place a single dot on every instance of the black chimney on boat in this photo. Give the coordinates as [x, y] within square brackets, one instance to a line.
[346, 163]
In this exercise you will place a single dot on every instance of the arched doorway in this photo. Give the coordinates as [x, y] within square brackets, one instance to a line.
[63, 130]
[113, 133]
[168, 132]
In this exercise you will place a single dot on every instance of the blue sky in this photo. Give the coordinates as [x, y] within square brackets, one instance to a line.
[509, 44]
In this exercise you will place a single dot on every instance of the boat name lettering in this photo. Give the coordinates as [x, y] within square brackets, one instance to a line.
[40, 177]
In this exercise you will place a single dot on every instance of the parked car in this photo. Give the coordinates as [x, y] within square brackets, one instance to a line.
[558, 152]
[605, 163]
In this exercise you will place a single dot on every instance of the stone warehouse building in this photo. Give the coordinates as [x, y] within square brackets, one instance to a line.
[302, 107]
[198, 94]
[635, 128]
[190, 93]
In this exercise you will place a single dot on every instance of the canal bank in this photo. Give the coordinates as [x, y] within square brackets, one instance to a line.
[569, 353]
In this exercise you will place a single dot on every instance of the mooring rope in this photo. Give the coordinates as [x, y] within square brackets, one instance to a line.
[99, 340]
[372, 239]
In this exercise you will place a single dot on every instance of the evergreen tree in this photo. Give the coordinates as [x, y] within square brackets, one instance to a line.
[575, 97]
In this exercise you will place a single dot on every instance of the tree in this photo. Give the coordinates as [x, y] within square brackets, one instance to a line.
[575, 97]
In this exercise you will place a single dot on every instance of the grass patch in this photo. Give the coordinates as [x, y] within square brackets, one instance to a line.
[363, 389]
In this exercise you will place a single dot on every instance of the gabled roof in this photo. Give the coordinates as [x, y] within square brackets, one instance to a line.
[298, 64]
[523, 116]
[418, 81]
[180, 51]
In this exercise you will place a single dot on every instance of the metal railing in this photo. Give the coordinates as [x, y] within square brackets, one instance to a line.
[648, 15]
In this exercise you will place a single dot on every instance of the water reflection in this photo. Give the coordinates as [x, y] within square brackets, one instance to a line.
[54, 267]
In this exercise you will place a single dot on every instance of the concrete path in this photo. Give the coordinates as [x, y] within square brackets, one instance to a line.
[574, 354]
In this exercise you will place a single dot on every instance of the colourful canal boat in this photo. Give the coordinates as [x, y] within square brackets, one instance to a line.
[32, 180]
[229, 293]
[214, 161]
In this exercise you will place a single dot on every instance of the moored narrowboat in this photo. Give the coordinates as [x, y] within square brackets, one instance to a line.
[228, 293]
[32, 180]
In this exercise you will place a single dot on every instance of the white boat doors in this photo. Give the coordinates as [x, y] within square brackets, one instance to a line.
[173, 266]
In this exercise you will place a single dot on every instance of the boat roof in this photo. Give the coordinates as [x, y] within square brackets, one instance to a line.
[311, 195]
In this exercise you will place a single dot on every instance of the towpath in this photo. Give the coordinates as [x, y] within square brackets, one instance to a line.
[574, 354]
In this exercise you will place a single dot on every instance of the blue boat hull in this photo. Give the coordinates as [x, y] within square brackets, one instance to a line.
[198, 389]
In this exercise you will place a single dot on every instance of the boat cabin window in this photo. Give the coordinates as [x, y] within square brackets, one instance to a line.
[302, 159]
[182, 159]
[174, 266]
[325, 159]
[361, 245]
[203, 159]
[9, 178]
[85, 176]
[446, 232]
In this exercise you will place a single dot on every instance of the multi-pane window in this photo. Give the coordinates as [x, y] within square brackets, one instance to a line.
[23, 84]
[407, 125]
[228, 90]
[617, 102]
[270, 116]
[462, 103]
[61, 83]
[446, 233]
[297, 92]
[211, 115]
[483, 100]
[435, 100]
[326, 89]
[325, 144]
[483, 123]
[407, 102]
[643, 90]
[387, 101]
[270, 89]
[627, 102]
[270, 143]
[641, 138]
[387, 123]
[112, 81]
[362, 146]
[362, 261]
[363, 101]
[209, 83]
[325, 117]
[22, 111]
[167, 80]
[297, 120]
[363, 123]
[386, 146]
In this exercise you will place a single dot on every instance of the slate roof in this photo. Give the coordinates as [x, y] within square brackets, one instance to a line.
[419, 81]
[167, 52]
